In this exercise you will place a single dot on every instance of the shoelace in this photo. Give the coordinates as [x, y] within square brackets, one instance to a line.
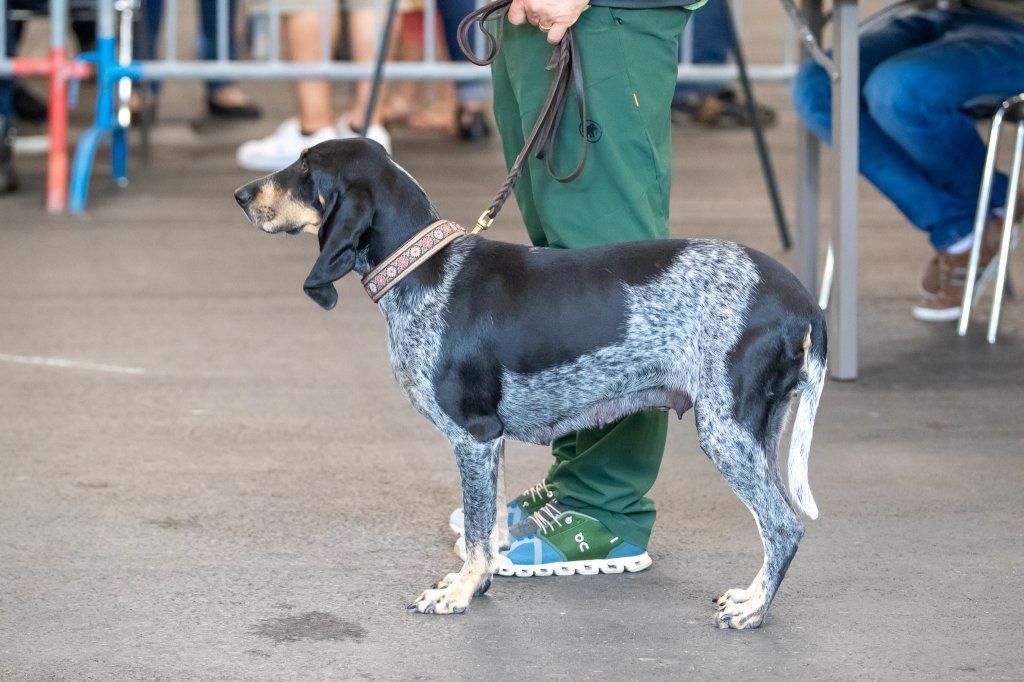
[553, 517]
[536, 491]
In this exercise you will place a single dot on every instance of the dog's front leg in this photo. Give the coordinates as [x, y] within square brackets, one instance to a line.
[500, 535]
[479, 464]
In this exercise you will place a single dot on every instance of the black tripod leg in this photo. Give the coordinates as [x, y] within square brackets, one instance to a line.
[755, 124]
[378, 67]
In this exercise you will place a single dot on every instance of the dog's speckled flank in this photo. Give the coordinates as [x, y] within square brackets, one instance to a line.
[476, 349]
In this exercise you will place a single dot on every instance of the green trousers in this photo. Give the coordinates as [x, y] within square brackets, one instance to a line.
[629, 60]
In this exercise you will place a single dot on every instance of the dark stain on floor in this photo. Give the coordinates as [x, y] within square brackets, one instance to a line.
[315, 626]
[172, 523]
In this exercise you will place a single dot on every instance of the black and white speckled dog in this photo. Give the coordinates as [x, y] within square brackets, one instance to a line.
[492, 341]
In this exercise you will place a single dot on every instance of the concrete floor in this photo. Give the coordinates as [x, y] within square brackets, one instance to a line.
[257, 500]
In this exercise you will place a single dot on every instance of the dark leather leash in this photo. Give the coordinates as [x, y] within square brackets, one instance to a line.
[565, 61]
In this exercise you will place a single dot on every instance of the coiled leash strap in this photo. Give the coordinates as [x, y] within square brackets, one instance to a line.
[565, 61]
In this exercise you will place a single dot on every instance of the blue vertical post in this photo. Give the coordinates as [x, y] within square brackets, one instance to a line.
[106, 63]
[3, 29]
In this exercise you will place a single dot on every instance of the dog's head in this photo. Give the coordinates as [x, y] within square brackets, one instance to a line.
[350, 194]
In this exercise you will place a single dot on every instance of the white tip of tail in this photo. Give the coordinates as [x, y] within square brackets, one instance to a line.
[800, 443]
[805, 501]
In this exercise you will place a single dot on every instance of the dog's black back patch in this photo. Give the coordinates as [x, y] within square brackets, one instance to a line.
[533, 309]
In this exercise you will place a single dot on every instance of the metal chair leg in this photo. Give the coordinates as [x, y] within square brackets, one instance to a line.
[1004, 242]
[980, 217]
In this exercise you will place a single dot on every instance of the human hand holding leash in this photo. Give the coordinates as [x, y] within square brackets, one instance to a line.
[554, 17]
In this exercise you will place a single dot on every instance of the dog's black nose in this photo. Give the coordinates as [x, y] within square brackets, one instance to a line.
[243, 195]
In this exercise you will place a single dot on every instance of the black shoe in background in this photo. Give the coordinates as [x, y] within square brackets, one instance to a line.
[232, 111]
[472, 125]
[723, 109]
[8, 179]
[28, 107]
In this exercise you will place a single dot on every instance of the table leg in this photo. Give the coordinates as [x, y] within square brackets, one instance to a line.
[845, 111]
[808, 181]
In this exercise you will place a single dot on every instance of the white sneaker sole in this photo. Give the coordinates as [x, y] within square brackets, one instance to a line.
[457, 522]
[935, 314]
[631, 564]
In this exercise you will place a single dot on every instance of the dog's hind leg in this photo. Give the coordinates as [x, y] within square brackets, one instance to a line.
[749, 467]
[479, 465]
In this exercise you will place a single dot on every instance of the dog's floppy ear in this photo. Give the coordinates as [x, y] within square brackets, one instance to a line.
[345, 220]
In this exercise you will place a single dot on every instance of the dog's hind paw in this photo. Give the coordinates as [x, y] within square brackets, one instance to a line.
[740, 609]
[442, 601]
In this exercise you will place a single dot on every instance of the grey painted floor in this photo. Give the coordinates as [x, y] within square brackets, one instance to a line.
[260, 502]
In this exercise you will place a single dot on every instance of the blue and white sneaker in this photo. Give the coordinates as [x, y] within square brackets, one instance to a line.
[518, 509]
[555, 541]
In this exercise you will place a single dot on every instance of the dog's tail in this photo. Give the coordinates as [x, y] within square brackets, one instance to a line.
[809, 390]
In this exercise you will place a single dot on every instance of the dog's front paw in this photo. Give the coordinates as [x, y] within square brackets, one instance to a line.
[446, 581]
[441, 601]
[740, 609]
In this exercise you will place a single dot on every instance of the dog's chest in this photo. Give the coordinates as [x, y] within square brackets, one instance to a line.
[414, 340]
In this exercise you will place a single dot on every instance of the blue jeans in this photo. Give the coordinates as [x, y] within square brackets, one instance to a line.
[711, 45]
[916, 146]
[14, 30]
[452, 12]
[207, 38]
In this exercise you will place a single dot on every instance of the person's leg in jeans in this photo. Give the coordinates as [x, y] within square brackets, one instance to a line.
[916, 146]
[471, 96]
[714, 104]
[622, 195]
[916, 96]
[710, 42]
[8, 132]
[223, 98]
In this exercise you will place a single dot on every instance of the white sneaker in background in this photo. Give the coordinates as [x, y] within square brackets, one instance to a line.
[377, 133]
[281, 147]
[380, 134]
[345, 129]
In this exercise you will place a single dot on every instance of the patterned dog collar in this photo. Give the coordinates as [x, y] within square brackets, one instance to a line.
[410, 256]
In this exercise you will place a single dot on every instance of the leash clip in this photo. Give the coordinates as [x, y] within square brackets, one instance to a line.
[482, 223]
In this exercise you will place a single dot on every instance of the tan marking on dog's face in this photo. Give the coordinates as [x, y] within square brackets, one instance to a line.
[275, 209]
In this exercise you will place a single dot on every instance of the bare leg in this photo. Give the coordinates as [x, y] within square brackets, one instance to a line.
[479, 467]
[363, 35]
[302, 32]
